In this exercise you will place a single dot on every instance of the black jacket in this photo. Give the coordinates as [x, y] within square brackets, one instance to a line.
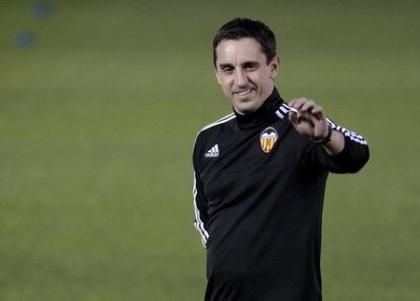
[258, 197]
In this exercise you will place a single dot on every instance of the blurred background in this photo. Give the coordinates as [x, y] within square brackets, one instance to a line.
[100, 102]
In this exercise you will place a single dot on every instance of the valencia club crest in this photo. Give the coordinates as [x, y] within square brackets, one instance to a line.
[268, 139]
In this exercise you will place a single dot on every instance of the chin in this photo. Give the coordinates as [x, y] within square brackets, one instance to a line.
[246, 109]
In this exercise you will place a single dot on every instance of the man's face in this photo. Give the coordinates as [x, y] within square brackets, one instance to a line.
[244, 73]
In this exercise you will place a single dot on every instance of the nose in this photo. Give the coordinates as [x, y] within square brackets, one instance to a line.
[240, 77]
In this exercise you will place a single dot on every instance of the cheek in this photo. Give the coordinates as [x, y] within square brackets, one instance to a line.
[263, 78]
[225, 88]
[225, 82]
[257, 77]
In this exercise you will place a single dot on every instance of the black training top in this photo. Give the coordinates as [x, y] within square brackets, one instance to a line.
[258, 197]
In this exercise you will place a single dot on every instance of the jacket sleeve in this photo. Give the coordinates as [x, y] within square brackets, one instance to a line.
[200, 210]
[199, 200]
[350, 160]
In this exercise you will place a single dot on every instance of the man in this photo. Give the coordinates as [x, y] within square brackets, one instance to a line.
[260, 176]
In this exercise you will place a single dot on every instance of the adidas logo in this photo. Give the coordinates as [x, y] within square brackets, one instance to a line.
[213, 152]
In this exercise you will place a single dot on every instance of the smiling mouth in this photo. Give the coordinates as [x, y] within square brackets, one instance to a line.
[243, 93]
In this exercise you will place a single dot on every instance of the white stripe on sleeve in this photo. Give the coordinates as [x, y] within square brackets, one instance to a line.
[199, 225]
[352, 135]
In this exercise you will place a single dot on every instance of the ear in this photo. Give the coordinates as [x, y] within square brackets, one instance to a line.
[217, 76]
[274, 67]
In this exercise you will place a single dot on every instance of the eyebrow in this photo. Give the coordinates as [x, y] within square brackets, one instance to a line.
[250, 63]
[247, 63]
[221, 66]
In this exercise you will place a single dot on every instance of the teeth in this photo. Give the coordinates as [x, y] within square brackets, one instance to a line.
[242, 93]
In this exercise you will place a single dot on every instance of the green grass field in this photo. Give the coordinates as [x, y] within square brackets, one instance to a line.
[98, 118]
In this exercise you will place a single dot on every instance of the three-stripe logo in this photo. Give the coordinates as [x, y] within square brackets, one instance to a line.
[213, 152]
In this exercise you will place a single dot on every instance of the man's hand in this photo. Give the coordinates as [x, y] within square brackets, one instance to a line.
[309, 120]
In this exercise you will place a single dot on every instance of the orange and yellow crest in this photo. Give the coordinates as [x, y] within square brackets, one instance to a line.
[268, 139]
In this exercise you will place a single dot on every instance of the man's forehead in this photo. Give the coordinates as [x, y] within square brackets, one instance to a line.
[239, 51]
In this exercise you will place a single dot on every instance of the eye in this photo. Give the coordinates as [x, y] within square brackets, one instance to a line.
[250, 66]
[227, 69]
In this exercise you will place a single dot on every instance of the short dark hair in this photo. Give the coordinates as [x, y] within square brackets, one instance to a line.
[246, 28]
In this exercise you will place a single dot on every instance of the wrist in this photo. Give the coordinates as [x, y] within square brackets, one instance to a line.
[326, 139]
